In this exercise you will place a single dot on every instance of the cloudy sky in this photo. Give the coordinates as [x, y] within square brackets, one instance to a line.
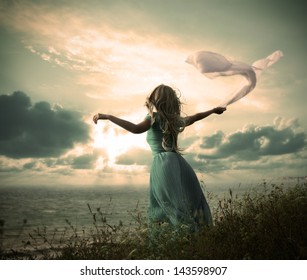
[64, 61]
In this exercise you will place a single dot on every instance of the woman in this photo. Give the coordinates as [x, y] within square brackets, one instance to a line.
[176, 196]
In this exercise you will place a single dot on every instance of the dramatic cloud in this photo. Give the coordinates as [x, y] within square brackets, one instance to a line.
[258, 148]
[135, 156]
[37, 130]
[84, 161]
[253, 142]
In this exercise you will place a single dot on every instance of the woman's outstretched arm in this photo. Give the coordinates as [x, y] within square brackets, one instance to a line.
[131, 127]
[199, 116]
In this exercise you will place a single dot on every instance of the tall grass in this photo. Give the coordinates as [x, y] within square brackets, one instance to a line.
[268, 224]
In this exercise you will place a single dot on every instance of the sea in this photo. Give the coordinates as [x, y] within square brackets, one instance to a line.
[29, 211]
[25, 211]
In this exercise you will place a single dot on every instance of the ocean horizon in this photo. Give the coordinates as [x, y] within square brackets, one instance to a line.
[26, 209]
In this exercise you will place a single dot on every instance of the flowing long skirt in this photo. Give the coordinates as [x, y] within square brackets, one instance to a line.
[176, 196]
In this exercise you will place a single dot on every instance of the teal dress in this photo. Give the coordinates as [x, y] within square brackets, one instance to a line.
[175, 194]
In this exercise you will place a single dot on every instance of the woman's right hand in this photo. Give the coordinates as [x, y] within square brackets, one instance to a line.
[99, 117]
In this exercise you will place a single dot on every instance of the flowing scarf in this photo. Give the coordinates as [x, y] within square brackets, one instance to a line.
[214, 65]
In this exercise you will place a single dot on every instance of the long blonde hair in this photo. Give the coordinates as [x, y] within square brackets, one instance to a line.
[168, 106]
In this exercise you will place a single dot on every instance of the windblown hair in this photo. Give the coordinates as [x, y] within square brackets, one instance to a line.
[168, 106]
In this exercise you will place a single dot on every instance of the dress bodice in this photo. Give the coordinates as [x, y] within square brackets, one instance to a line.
[155, 136]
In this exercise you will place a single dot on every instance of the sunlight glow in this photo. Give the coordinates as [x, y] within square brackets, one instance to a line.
[110, 62]
[115, 142]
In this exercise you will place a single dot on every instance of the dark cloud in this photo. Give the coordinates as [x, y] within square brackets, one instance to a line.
[37, 130]
[258, 148]
[63, 165]
[185, 142]
[253, 142]
[30, 165]
[135, 156]
[205, 165]
[213, 141]
[85, 161]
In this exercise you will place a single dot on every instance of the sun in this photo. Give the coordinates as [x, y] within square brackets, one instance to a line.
[115, 141]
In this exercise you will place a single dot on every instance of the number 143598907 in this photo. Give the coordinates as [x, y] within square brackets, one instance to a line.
[206, 270]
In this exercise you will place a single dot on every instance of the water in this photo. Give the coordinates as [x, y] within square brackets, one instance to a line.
[24, 209]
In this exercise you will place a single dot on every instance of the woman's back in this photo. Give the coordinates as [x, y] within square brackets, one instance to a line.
[155, 136]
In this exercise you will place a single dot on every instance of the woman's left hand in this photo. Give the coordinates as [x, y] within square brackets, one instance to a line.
[219, 110]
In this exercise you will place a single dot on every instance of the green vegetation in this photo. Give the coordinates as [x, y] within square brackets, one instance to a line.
[270, 224]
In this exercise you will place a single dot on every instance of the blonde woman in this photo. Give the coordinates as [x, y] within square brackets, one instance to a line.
[175, 195]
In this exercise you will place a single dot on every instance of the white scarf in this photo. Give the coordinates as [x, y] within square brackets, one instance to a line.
[213, 65]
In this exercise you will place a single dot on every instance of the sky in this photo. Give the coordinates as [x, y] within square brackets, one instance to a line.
[64, 61]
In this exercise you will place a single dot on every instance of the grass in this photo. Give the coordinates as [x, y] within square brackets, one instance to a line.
[270, 224]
